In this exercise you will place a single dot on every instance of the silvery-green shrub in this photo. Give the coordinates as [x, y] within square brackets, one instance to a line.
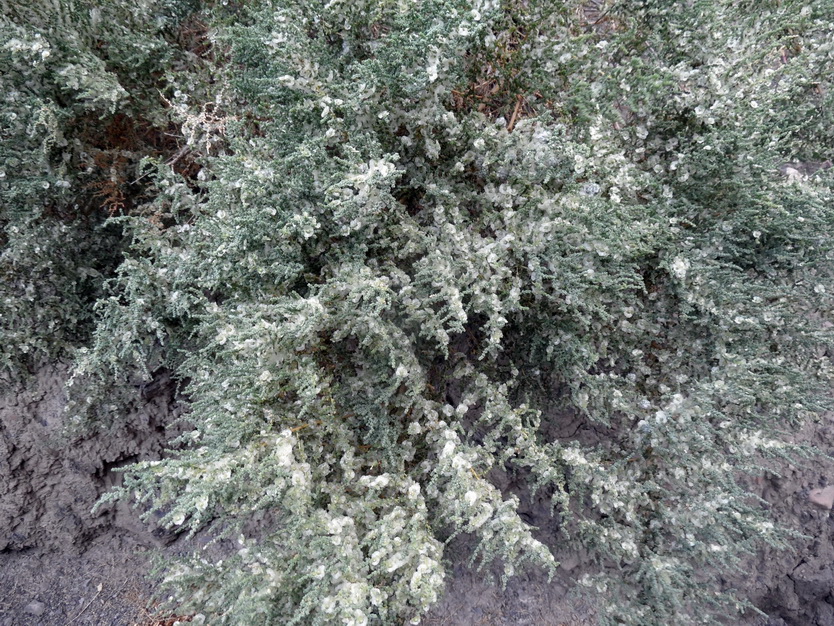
[426, 236]
[76, 80]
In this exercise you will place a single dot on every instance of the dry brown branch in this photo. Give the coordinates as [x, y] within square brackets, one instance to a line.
[519, 102]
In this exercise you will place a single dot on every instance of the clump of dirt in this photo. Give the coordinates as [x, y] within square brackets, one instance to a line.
[59, 562]
[49, 485]
[62, 565]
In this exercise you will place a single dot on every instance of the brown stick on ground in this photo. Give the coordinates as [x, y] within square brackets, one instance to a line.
[511, 125]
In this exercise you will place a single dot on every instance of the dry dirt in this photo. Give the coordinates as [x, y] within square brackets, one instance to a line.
[60, 565]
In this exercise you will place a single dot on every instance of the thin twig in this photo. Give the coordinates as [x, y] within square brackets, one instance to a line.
[169, 162]
[112, 595]
[513, 119]
[98, 593]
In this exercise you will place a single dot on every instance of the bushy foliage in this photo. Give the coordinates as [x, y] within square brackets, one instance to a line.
[80, 109]
[422, 235]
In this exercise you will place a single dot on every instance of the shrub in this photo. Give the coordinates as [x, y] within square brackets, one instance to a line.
[80, 109]
[423, 236]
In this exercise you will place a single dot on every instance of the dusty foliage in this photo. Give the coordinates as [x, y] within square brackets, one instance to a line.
[408, 239]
